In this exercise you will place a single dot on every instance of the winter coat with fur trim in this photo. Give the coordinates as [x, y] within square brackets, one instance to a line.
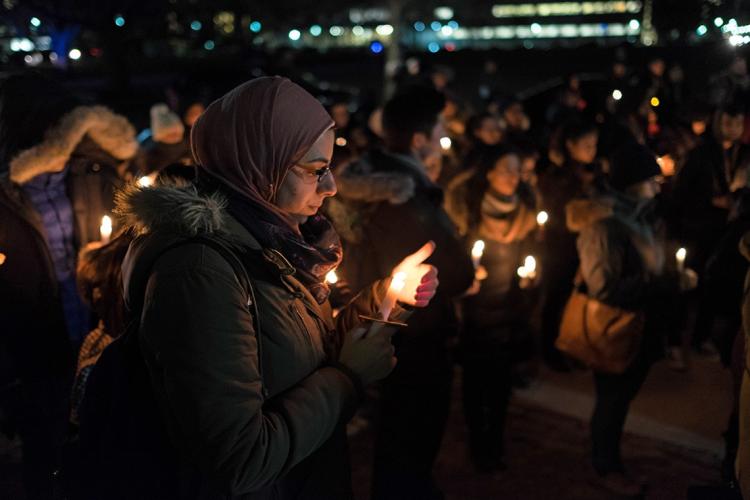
[501, 308]
[89, 141]
[246, 421]
[386, 209]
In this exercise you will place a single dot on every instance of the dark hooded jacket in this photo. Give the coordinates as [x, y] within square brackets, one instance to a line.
[91, 143]
[386, 209]
[705, 176]
[250, 416]
[621, 250]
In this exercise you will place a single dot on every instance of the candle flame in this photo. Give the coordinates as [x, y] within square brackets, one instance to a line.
[530, 264]
[399, 281]
[146, 181]
[478, 249]
[523, 272]
[681, 254]
[331, 277]
[445, 143]
[105, 230]
[542, 218]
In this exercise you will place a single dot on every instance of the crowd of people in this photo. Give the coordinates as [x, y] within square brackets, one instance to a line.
[199, 310]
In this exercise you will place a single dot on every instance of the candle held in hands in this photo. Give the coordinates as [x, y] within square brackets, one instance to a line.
[542, 218]
[146, 181]
[105, 230]
[476, 253]
[397, 284]
[332, 278]
[680, 256]
[528, 269]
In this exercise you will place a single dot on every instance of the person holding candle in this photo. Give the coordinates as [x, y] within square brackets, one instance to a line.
[386, 209]
[60, 162]
[624, 264]
[486, 203]
[252, 387]
[707, 192]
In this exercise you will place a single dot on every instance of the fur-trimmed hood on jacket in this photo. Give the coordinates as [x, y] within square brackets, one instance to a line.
[173, 210]
[113, 133]
[176, 207]
[377, 177]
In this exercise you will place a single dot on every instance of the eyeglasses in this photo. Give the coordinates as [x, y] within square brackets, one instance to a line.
[309, 174]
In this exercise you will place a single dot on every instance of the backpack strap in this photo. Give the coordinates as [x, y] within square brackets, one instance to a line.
[242, 275]
[240, 271]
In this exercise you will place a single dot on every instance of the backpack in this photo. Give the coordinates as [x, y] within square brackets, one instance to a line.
[121, 424]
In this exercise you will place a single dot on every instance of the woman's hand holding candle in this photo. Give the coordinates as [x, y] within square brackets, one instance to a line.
[420, 279]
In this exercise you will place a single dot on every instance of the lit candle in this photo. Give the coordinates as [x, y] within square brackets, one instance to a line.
[105, 230]
[528, 269]
[146, 181]
[530, 264]
[397, 284]
[476, 253]
[331, 277]
[542, 218]
[680, 256]
[445, 143]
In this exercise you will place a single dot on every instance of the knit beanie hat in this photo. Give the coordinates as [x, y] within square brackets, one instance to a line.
[632, 164]
[166, 126]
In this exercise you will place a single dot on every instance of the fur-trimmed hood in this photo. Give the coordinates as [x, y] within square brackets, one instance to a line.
[363, 181]
[165, 215]
[638, 215]
[580, 214]
[377, 177]
[113, 133]
[173, 207]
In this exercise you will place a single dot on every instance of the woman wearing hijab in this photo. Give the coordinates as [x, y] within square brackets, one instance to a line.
[255, 412]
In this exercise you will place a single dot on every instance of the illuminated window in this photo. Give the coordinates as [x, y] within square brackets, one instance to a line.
[566, 8]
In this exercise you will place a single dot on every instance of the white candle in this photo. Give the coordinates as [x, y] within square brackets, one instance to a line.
[680, 256]
[397, 284]
[105, 230]
[146, 181]
[331, 277]
[542, 218]
[528, 269]
[530, 264]
[476, 253]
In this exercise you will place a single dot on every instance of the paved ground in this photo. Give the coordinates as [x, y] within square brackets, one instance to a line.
[546, 450]
[674, 437]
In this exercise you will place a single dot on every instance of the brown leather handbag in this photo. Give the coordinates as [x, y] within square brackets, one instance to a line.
[603, 337]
